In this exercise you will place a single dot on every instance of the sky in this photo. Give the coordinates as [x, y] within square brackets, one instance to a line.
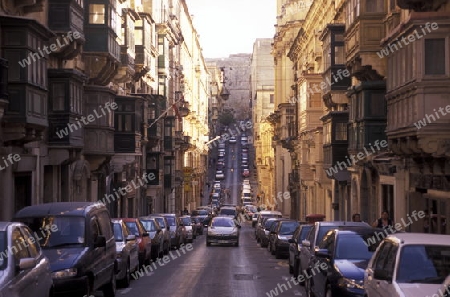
[231, 26]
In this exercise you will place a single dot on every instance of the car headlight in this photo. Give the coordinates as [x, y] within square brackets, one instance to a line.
[285, 238]
[234, 233]
[351, 283]
[70, 272]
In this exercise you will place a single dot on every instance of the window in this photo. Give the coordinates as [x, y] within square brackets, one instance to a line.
[58, 96]
[435, 60]
[327, 133]
[352, 11]
[272, 98]
[125, 118]
[374, 6]
[115, 21]
[392, 5]
[340, 131]
[18, 249]
[96, 14]
[339, 55]
[138, 33]
[33, 247]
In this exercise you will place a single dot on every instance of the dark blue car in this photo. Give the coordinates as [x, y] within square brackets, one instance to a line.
[340, 261]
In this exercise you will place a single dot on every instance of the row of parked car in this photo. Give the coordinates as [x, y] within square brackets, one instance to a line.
[353, 259]
[75, 248]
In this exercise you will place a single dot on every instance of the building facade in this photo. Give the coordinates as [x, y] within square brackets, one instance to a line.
[91, 101]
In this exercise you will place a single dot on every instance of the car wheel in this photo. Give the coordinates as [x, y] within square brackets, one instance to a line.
[166, 249]
[146, 259]
[109, 290]
[125, 282]
[295, 268]
[272, 249]
[88, 287]
[277, 253]
[308, 288]
[207, 242]
[291, 269]
[328, 292]
[237, 243]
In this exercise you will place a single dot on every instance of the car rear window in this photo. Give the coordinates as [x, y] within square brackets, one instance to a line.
[132, 226]
[149, 225]
[171, 221]
[228, 212]
[304, 232]
[161, 222]
[118, 236]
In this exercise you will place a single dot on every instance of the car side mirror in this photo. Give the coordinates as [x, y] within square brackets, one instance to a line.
[100, 241]
[306, 243]
[321, 253]
[145, 234]
[131, 237]
[382, 275]
[27, 263]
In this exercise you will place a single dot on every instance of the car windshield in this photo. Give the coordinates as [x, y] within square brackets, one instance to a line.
[171, 221]
[304, 233]
[149, 225]
[161, 222]
[222, 222]
[354, 247]
[187, 221]
[57, 231]
[426, 264]
[225, 211]
[288, 228]
[3, 257]
[132, 226]
[118, 235]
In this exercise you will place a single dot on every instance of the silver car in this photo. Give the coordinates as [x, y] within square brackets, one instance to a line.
[24, 270]
[164, 224]
[223, 230]
[127, 251]
[187, 223]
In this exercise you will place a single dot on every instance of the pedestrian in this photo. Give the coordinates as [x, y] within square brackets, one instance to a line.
[356, 217]
[185, 211]
[384, 221]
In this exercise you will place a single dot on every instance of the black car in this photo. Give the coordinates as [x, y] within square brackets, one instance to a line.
[280, 232]
[295, 244]
[342, 256]
[82, 250]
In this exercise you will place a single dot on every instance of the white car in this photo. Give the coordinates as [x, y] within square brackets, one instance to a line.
[408, 265]
[216, 186]
[232, 139]
[246, 182]
[220, 174]
[223, 230]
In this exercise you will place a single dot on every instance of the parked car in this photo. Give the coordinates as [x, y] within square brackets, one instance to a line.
[223, 230]
[409, 264]
[254, 219]
[189, 226]
[342, 256]
[279, 236]
[27, 272]
[127, 251]
[295, 244]
[198, 221]
[156, 234]
[164, 224]
[177, 232]
[142, 239]
[267, 214]
[318, 230]
[82, 250]
[263, 231]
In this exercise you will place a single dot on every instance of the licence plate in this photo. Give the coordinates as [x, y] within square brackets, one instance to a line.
[223, 241]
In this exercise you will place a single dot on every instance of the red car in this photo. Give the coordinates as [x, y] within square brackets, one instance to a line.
[142, 239]
[245, 173]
